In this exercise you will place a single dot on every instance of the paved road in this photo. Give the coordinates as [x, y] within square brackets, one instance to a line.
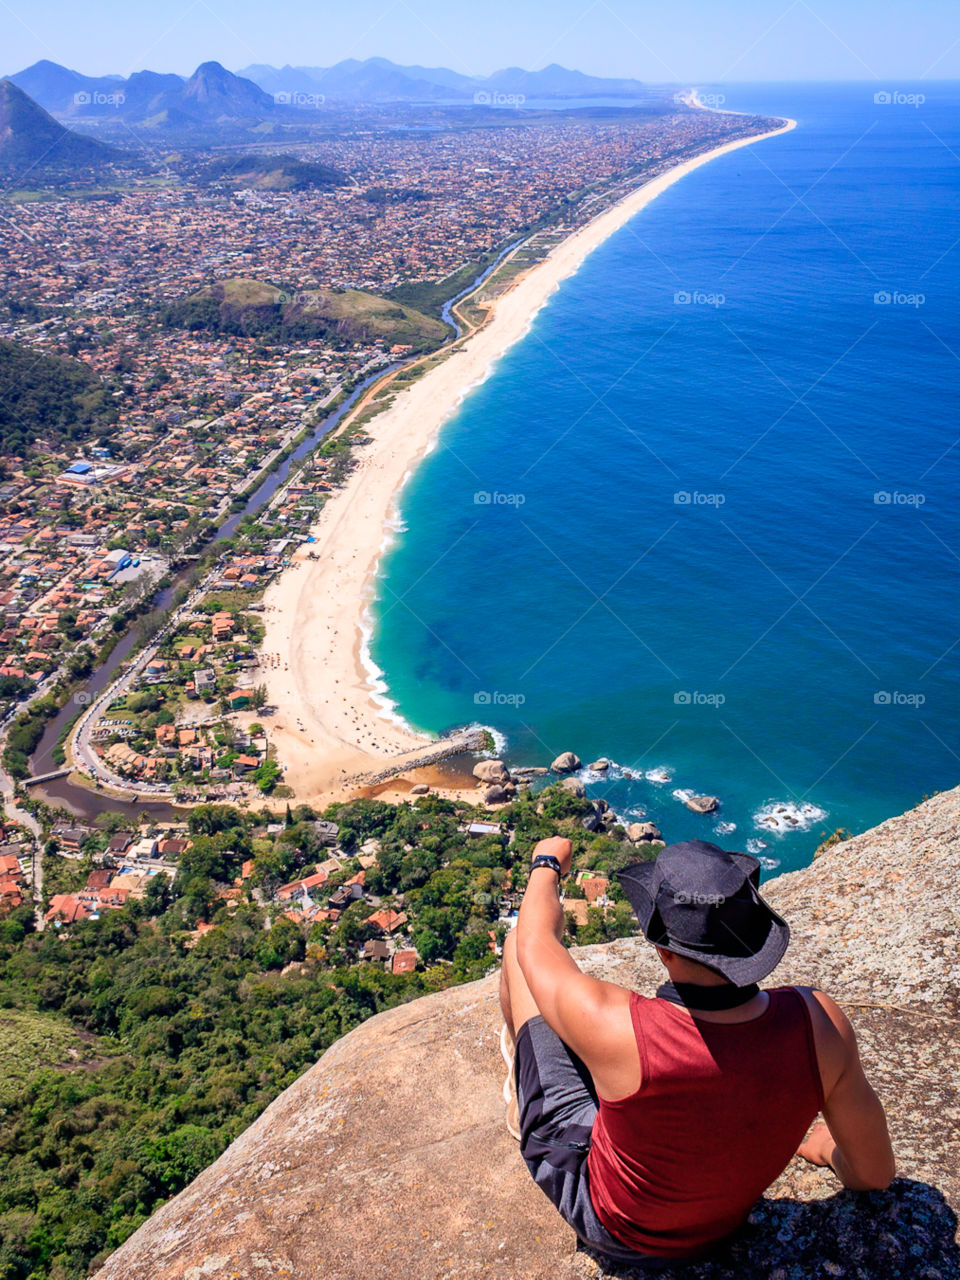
[15, 814]
[85, 759]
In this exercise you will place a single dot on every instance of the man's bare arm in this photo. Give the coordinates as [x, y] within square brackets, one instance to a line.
[576, 1006]
[854, 1142]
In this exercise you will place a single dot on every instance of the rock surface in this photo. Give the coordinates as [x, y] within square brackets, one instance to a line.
[702, 804]
[389, 1158]
[640, 831]
[496, 795]
[566, 762]
[574, 786]
[491, 771]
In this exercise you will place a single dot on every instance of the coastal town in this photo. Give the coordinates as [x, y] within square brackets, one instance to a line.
[201, 460]
[201, 382]
[92, 527]
[362, 433]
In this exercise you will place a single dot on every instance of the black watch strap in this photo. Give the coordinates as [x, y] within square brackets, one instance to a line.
[546, 860]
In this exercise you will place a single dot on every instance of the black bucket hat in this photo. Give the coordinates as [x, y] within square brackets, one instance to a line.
[703, 903]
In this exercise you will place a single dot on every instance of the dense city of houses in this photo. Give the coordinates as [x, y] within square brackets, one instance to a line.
[418, 204]
[87, 529]
[172, 727]
[17, 850]
[127, 862]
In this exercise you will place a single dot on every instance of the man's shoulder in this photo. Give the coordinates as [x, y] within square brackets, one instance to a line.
[834, 1037]
[613, 994]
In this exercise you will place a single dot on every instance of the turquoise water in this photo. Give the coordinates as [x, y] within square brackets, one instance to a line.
[718, 536]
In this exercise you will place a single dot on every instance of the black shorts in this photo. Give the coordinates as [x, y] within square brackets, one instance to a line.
[558, 1105]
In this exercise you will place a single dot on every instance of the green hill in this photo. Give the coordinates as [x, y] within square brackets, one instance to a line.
[243, 306]
[50, 399]
[270, 173]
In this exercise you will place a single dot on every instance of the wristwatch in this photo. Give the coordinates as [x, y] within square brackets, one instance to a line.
[546, 860]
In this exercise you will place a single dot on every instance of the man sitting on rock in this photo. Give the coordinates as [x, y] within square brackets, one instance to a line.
[655, 1124]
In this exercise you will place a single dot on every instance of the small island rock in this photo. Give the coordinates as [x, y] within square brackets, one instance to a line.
[641, 831]
[702, 804]
[566, 762]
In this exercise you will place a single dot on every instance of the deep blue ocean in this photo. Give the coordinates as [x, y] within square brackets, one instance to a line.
[702, 520]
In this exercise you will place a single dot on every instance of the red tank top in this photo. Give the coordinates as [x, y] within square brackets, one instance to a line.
[721, 1108]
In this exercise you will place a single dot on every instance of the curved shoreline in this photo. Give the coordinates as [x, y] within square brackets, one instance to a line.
[330, 731]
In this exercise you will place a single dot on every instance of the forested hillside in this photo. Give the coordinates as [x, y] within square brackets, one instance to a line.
[46, 398]
[137, 1046]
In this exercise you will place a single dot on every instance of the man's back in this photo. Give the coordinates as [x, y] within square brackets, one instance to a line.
[720, 1111]
[796, 1053]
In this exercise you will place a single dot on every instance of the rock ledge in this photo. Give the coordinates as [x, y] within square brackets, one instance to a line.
[389, 1157]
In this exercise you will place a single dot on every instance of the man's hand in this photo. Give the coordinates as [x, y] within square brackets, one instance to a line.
[558, 847]
[819, 1148]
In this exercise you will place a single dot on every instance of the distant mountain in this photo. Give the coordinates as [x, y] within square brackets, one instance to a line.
[559, 82]
[211, 94]
[372, 80]
[285, 79]
[214, 95]
[52, 86]
[145, 94]
[376, 80]
[33, 144]
[379, 80]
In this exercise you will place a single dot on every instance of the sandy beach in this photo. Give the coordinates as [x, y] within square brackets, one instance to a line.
[328, 729]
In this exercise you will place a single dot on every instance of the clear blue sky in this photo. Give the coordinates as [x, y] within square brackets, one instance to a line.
[657, 40]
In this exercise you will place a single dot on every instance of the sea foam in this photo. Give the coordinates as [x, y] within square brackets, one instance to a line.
[783, 816]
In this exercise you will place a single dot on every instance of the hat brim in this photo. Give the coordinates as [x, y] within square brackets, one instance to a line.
[637, 882]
